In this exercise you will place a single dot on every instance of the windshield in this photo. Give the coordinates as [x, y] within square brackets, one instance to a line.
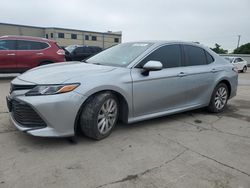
[70, 48]
[120, 55]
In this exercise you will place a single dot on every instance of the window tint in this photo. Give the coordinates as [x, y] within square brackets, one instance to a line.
[7, 44]
[210, 58]
[87, 50]
[79, 50]
[195, 56]
[73, 36]
[60, 35]
[86, 37]
[169, 56]
[239, 60]
[94, 38]
[116, 40]
[31, 45]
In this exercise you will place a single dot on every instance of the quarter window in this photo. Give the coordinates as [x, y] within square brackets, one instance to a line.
[169, 56]
[194, 55]
[7, 44]
[210, 59]
[60, 35]
[31, 45]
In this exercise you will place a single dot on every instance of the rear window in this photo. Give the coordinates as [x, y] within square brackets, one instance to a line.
[31, 45]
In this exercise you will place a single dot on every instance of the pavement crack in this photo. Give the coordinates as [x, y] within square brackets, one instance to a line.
[210, 158]
[4, 112]
[200, 128]
[8, 131]
[136, 176]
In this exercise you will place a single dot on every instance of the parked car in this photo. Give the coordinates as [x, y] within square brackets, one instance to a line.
[80, 52]
[20, 53]
[129, 82]
[238, 62]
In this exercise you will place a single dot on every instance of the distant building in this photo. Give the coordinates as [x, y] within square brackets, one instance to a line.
[64, 37]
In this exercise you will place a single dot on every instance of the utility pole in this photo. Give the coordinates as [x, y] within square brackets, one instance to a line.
[238, 41]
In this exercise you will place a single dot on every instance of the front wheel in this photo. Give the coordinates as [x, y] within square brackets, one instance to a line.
[99, 116]
[219, 98]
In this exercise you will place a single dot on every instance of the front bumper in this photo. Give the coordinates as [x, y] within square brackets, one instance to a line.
[57, 111]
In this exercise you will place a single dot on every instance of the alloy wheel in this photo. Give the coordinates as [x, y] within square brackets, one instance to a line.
[220, 98]
[107, 116]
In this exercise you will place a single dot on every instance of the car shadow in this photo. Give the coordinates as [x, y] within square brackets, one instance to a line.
[120, 128]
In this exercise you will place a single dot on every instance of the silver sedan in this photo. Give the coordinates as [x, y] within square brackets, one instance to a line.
[129, 82]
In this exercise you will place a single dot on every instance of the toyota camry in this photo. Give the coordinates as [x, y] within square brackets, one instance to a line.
[129, 82]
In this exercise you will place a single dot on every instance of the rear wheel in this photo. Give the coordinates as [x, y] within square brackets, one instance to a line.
[244, 70]
[219, 98]
[99, 116]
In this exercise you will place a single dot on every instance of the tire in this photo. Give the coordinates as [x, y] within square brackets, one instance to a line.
[244, 70]
[99, 116]
[219, 98]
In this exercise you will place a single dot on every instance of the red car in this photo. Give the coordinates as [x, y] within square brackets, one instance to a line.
[20, 53]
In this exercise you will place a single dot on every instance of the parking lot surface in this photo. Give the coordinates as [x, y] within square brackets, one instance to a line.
[191, 149]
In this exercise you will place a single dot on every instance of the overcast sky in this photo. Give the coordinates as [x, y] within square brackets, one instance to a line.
[206, 21]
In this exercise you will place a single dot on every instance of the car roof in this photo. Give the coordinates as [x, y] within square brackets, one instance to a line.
[162, 42]
[26, 38]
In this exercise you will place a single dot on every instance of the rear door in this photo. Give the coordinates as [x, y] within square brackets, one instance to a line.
[7, 55]
[30, 53]
[199, 73]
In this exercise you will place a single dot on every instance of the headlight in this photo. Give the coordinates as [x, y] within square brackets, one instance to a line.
[51, 89]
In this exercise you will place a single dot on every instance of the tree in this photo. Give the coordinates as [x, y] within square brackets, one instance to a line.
[219, 50]
[243, 49]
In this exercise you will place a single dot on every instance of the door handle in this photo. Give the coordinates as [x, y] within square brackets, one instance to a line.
[214, 70]
[11, 54]
[181, 74]
[39, 53]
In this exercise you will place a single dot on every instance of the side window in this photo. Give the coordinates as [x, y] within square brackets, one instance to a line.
[210, 58]
[194, 56]
[240, 60]
[79, 50]
[31, 45]
[7, 45]
[169, 56]
[87, 50]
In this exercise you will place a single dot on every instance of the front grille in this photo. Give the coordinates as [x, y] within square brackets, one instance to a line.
[14, 87]
[26, 116]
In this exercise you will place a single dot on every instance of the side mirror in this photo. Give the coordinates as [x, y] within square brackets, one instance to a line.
[151, 66]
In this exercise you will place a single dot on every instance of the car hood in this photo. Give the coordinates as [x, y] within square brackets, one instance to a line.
[61, 72]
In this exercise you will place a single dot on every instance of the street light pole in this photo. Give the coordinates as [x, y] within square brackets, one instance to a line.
[238, 44]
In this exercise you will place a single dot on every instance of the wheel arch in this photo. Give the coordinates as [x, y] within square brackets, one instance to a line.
[225, 81]
[123, 108]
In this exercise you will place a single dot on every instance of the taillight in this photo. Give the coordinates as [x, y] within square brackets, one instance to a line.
[60, 52]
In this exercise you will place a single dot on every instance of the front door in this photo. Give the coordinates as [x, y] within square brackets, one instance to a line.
[161, 90]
